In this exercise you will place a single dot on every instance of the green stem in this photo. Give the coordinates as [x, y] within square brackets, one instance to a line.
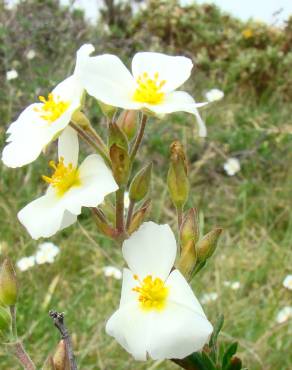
[97, 138]
[120, 210]
[93, 143]
[139, 137]
[179, 211]
[130, 214]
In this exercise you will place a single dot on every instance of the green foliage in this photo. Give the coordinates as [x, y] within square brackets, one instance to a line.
[251, 123]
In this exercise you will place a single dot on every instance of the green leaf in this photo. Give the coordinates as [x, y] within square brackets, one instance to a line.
[208, 362]
[231, 350]
[217, 328]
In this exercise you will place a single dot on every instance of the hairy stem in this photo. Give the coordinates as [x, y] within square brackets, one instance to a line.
[13, 320]
[97, 138]
[20, 353]
[179, 212]
[120, 210]
[139, 137]
[59, 323]
[130, 214]
[92, 142]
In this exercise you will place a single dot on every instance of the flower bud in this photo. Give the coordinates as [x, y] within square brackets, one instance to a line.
[127, 122]
[116, 136]
[177, 178]
[187, 259]
[207, 245]
[120, 164]
[139, 216]
[140, 184]
[60, 356]
[49, 364]
[8, 284]
[80, 119]
[190, 227]
[107, 110]
[5, 321]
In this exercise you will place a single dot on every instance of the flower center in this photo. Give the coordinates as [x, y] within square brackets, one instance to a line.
[52, 108]
[149, 89]
[152, 293]
[64, 177]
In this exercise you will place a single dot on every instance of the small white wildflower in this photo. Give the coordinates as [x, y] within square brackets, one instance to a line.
[30, 54]
[234, 285]
[126, 200]
[46, 253]
[284, 314]
[111, 271]
[209, 297]
[11, 75]
[214, 95]
[231, 166]
[287, 283]
[26, 263]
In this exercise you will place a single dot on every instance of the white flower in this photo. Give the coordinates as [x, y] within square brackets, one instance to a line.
[209, 297]
[284, 314]
[71, 188]
[234, 285]
[11, 75]
[26, 263]
[111, 271]
[159, 314]
[231, 166]
[126, 200]
[151, 85]
[46, 253]
[42, 122]
[288, 282]
[30, 54]
[214, 95]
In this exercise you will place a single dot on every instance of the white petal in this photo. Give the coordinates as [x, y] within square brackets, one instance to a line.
[81, 56]
[181, 293]
[127, 294]
[175, 70]
[68, 146]
[130, 327]
[69, 90]
[176, 332]
[180, 101]
[97, 181]
[151, 250]
[44, 216]
[107, 79]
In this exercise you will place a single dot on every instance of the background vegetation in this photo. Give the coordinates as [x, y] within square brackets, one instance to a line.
[251, 62]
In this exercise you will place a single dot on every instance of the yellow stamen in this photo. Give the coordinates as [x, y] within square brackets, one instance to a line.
[64, 177]
[152, 293]
[149, 89]
[52, 108]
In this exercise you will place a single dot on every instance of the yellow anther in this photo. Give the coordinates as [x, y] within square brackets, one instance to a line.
[52, 108]
[148, 89]
[64, 177]
[152, 293]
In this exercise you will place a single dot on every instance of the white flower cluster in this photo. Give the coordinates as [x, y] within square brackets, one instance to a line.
[46, 253]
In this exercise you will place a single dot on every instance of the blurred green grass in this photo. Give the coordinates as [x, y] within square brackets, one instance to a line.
[253, 207]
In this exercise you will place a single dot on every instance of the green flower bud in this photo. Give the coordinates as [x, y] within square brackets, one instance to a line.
[127, 122]
[107, 110]
[177, 178]
[187, 259]
[207, 245]
[121, 164]
[140, 184]
[80, 119]
[8, 284]
[190, 227]
[139, 217]
[5, 321]
[116, 136]
[60, 356]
